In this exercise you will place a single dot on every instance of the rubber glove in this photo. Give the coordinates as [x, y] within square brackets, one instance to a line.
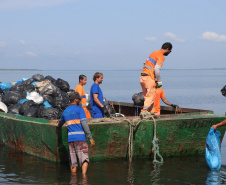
[159, 84]
[174, 106]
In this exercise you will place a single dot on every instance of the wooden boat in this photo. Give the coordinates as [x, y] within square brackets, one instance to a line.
[179, 133]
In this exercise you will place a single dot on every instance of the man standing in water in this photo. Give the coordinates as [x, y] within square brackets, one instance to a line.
[96, 97]
[79, 88]
[151, 75]
[76, 122]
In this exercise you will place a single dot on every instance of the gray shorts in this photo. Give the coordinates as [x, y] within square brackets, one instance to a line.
[78, 153]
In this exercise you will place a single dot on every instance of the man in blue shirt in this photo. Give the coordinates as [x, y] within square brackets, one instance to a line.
[96, 97]
[75, 119]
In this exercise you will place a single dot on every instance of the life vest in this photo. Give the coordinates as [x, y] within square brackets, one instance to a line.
[154, 58]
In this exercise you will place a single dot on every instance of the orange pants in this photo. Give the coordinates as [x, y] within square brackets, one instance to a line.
[148, 88]
[87, 113]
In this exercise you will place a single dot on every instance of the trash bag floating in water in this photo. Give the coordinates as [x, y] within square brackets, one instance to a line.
[213, 150]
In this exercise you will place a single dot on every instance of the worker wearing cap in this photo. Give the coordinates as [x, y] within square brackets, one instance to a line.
[151, 74]
[160, 94]
[75, 119]
[79, 88]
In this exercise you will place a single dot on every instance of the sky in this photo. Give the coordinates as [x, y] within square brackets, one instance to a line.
[112, 34]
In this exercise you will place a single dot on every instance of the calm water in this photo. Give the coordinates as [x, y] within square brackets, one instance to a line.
[187, 88]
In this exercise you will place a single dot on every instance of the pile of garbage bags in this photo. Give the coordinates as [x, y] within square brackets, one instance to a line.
[38, 97]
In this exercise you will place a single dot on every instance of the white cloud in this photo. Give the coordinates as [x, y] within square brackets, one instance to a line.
[22, 42]
[173, 37]
[26, 4]
[150, 38]
[214, 37]
[2, 44]
[31, 54]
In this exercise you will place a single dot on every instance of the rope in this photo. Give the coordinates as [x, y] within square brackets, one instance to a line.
[155, 147]
[132, 128]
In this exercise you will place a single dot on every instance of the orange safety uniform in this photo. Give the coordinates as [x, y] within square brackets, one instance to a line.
[81, 91]
[147, 79]
[159, 94]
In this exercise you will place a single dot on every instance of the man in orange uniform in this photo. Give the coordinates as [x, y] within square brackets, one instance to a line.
[160, 94]
[151, 75]
[79, 88]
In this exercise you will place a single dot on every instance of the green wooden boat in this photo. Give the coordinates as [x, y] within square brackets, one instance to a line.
[180, 133]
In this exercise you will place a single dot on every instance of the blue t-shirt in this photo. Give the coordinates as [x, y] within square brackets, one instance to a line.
[95, 89]
[72, 117]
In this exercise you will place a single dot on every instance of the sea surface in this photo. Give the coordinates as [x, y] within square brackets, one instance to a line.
[199, 89]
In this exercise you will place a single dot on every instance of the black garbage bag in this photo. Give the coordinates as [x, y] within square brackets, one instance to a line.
[61, 100]
[50, 89]
[48, 98]
[49, 113]
[38, 77]
[223, 91]
[17, 87]
[27, 105]
[59, 103]
[110, 109]
[14, 109]
[65, 97]
[29, 88]
[138, 99]
[51, 79]
[31, 112]
[27, 82]
[22, 85]
[63, 85]
[12, 97]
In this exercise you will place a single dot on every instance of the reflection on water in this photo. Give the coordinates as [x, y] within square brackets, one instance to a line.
[213, 178]
[155, 173]
[17, 168]
[76, 179]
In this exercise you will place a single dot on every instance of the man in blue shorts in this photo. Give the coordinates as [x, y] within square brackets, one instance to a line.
[96, 97]
[75, 119]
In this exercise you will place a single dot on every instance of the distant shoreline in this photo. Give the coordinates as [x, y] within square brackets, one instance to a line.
[103, 69]
[20, 70]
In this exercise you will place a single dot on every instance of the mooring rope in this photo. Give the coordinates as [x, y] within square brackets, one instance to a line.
[132, 127]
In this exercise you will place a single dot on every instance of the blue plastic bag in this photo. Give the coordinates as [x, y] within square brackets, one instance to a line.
[46, 104]
[18, 82]
[213, 150]
[5, 86]
[22, 101]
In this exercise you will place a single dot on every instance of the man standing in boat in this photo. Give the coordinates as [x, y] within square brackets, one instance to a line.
[79, 88]
[76, 122]
[150, 75]
[96, 97]
[160, 94]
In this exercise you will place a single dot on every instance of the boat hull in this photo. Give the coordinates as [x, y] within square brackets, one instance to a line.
[181, 134]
